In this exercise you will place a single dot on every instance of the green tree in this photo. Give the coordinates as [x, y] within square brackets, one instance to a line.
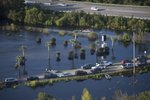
[34, 16]
[20, 61]
[92, 36]
[44, 96]
[6, 5]
[126, 37]
[86, 95]
[14, 16]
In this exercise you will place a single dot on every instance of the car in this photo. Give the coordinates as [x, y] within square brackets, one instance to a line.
[62, 4]
[64, 74]
[96, 70]
[99, 66]
[87, 66]
[31, 78]
[106, 63]
[80, 73]
[11, 81]
[127, 65]
[125, 61]
[141, 60]
[50, 75]
[95, 8]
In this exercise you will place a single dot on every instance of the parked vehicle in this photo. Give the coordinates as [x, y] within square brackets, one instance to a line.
[50, 75]
[87, 66]
[11, 81]
[62, 4]
[125, 61]
[127, 65]
[141, 60]
[95, 8]
[80, 72]
[96, 70]
[64, 74]
[99, 66]
[31, 78]
[106, 63]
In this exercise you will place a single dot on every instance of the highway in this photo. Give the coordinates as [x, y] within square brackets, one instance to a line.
[142, 12]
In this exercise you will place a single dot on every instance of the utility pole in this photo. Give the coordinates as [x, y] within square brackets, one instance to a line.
[23, 50]
[133, 53]
[48, 44]
[134, 81]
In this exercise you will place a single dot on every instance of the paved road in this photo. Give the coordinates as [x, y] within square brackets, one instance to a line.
[111, 10]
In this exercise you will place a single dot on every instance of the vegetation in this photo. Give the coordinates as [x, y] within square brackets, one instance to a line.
[82, 54]
[125, 2]
[58, 56]
[53, 41]
[12, 9]
[141, 96]
[11, 28]
[65, 43]
[44, 96]
[92, 48]
[86, 95]
[92, 36]
[36, 17]
[62, 33]
[118, 95]
[38, 40]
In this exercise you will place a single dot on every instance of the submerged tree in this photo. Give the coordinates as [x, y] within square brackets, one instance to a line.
[71, 57]
[20, 61]
[92, 48]
[82, 54]
[53, 41]
[58, 56]
[66, 43]
[38, 40]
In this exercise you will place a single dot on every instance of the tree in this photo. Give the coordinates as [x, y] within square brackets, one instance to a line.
[92, 36]
[58, 56]
[86, 95]
[44, 96]
[92, 48]
[126, 37]
[20, 61]
[14, 5]
[71, 57]
[34, 16]
[14, 16]
[82, 54]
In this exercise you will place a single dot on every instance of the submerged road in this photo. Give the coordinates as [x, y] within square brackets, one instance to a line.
[142, 12]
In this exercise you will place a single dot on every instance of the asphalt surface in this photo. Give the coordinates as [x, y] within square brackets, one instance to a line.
[142, 12]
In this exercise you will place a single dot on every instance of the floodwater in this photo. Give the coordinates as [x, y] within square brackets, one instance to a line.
[37, 62]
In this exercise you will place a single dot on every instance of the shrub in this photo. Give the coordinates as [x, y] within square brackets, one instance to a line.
[92, 36]
[62, 33]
